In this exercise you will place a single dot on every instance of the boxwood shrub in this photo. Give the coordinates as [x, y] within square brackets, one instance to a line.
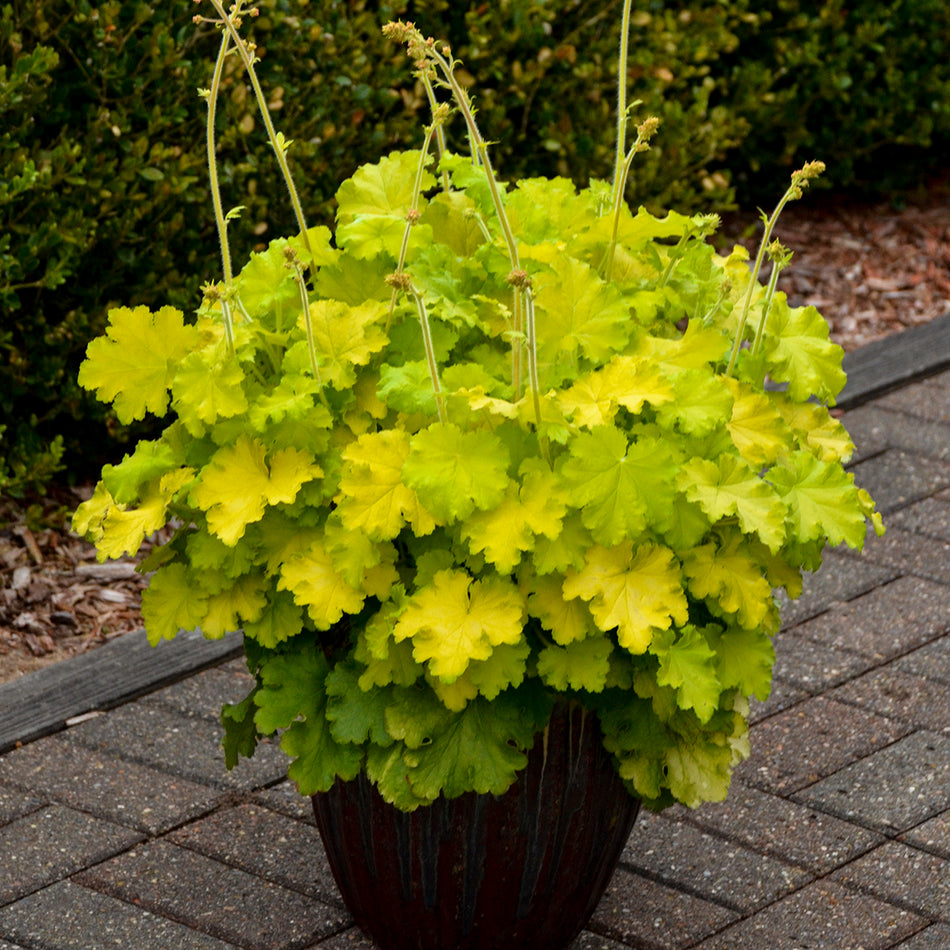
[104, 196]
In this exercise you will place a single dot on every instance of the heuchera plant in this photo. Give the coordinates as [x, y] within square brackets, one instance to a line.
[487, 446]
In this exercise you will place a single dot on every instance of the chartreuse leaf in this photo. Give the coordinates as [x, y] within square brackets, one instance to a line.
[700, 403]
[505, 668]
[636, 381]
[451, 215]
[731, 578]
[205, 390]
[293, 697]
[816, 429]
[615, 484]
[567, 619]
[505, 532]
[698, 348]
[799, 352]
[757, 430]
[578, 314]
[149, 460]
[456, 620]
[384, 188]
[237, 485]
[744, 660]
[172, 601]
[638, 592]
[822, 500]
[545, 209]
[244, 599]
[88, 518]
[727, 486]
[123, 530]
[699, 768]
[372, 496]
[688, 665]
[384, 660]
[316, 584]
[345, 336]
[133, 364]
[583, 664]
[456, 471]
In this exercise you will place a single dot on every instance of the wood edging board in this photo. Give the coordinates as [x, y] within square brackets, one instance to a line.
[41, 702]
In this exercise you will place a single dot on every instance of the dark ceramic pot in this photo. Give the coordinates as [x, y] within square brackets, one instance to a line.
[481, 872]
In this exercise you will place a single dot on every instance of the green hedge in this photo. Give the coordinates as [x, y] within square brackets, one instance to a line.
[104, 198]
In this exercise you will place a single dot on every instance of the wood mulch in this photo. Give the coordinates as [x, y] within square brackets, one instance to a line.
[872, 270]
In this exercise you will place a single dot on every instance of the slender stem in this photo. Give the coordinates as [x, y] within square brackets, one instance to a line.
[276, 141]
[219, 217]
[441, 147]
[430, 351]
[622, 101]
[294, 265]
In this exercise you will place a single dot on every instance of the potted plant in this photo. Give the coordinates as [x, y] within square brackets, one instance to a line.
[498, 480]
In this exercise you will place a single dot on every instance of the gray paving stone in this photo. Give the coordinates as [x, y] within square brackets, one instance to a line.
[51, 844]
[781, 828]
[8, 946]
[898, 695]
[104, 785]
[930, 517]
[898, 478]
[874, 429]
[840, 579]
[925, 399]
[931, 661]
[932, 835]
[592, 941]
[902, 875]
[66, 916]
[910, 553]
[813, 666]
[267, 844]
[892, 790]
[352, 939]
[823, 915]
[936, 937]
[285, 798]
[181, 745]
[15, 803]
[711, 867]
[646, 914]
[885, 623]
[783, 696]
[204, 693]
[812, 740]
[213, 898]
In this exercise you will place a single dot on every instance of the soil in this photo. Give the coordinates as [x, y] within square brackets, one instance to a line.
[871, 268]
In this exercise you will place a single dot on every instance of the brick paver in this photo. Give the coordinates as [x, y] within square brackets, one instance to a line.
[127, 831]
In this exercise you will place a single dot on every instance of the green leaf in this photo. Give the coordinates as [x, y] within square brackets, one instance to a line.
[316, 583]
[150, 460]
[584, 664]
[319, 760]
[356, 715]
[344, 337]
[280, 620]
[480, 749]
[240, 733]
[688, 664]
[383, 188]
[822, 500]
[701, 403]
[456, 472]
[292, 686]
[133, 365]
[616, 485]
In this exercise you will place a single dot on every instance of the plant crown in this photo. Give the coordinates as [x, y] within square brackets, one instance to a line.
[485, 446]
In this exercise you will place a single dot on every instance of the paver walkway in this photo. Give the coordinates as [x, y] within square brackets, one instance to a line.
[124, 830]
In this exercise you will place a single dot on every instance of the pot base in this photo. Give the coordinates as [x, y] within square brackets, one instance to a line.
[480, 872]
